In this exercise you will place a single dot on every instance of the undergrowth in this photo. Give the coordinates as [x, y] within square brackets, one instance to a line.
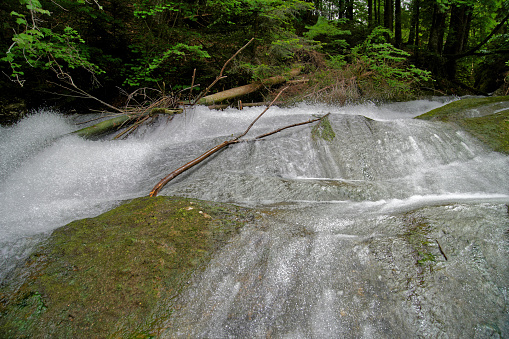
[374, 70]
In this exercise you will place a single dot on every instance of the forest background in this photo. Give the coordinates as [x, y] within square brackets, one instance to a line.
[346, 50]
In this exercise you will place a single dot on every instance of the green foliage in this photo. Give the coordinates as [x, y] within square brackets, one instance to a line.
[285, 48]
[261, 71]
[145, 69]
[34, 6]
[337, 61]
[144, 9]
[44, 48]
[144, 42]
[386, 62]
[327, 33]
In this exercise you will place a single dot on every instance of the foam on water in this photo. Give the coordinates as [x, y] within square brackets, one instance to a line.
[49, 178]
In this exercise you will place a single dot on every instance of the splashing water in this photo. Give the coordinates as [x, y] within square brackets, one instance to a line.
[395, 228]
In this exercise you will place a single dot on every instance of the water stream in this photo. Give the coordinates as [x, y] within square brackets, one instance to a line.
[396, 228]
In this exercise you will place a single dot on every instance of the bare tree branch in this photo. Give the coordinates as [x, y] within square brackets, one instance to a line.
[482, 43]
[219, 147]
[290, 126]
[84, 94]
[258, 117]
[220, 76]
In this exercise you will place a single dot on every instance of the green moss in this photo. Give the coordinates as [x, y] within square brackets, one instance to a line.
[107, 276]
[417, 236]
[323, 129]
[456, 109]
[490, 123]
[492, 129]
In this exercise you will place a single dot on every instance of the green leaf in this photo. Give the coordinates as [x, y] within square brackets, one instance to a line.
[21, 21]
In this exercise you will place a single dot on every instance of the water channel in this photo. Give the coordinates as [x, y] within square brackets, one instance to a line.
[396, 228]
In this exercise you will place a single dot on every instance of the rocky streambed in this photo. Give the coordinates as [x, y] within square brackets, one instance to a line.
[327, 257]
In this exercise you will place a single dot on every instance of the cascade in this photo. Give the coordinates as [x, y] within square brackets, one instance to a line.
[396, 228]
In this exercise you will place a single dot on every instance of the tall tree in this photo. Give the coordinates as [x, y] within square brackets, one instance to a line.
[413, 36]
[378, 12]
[349, 9]
[461, 16]
[437, 29]
[370, 13]
[389, 14]
[397, 23]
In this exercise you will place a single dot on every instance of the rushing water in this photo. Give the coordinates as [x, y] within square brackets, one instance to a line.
[396, 228]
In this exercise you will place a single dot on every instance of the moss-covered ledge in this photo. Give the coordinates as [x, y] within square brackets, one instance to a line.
[485, 118]
[115, 275]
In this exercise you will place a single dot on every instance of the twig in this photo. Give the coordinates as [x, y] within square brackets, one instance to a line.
[265, 110]
[220, 76]
[57, 4]
[321, 90]
[84, 94]
[192, 82]
[132, 128]
[219, 147]
[440, 249]
[290, 126]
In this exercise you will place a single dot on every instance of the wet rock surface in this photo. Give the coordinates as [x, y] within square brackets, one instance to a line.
[395, 228]
[12, 112]
[485, 118]
[430, 272]
[109, 275]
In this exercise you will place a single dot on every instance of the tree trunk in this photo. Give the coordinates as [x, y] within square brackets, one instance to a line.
[349, 9]
[397, 23]
[370, 13]
[375, 12]
[456, 37]
[388, 15]
[437, 30]
[413, 37]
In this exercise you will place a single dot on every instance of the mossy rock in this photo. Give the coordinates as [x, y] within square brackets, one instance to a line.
[115, 275]
[485, 118]
[467, 108]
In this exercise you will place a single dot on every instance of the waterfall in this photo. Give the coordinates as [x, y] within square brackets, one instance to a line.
[396, 228]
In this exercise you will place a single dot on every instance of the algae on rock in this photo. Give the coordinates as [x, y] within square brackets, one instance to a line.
[106, 276]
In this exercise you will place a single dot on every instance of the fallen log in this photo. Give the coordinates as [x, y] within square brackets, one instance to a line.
[241, 105]
[246, 89]
[121, 121]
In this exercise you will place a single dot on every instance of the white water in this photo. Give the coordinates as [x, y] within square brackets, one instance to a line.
[352, 192]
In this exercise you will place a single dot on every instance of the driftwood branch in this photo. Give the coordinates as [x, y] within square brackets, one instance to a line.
[224, 144]
[290, 126]
[187, 166]
[259, 116]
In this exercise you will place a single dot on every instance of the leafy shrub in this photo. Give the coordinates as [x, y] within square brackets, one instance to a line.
[45, 48]
[385, 65]
[327, 35]
[144, 71]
